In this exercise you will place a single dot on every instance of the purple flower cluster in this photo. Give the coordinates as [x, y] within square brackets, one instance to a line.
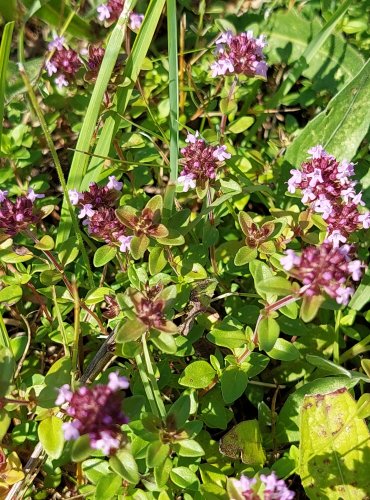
[325, 268]
[274, 488]
[64, 62]
[96, 412]
[18, 215]
[97, 208]
[200, 162]
[110, 10]
[239, 54]
[326, 187]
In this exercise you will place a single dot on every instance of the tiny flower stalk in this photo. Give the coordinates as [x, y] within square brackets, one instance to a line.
[144, 224]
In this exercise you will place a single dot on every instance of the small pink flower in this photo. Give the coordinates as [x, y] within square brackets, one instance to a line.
[192, 138]
[116, 382]
[64, 395]
[74, 196]
[125, 243]
[70, 431]
[364, 219]
[86, 211]
[103, 12]
[51, 68]
[3, 195]
[187, 181]
[221, 153]
[31, 195]
[136, 20]
[290, 260]
[336, 237]
[56, 43]
[114, 184]
[61, 81]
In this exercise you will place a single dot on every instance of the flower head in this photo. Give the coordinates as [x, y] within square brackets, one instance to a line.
[326, 187]
[18, 215]
[64, 63]
[239, 54]
[97, 412]
[56, 43]
[110, 10]
[275, 489]
[324, 269]
[200, 161]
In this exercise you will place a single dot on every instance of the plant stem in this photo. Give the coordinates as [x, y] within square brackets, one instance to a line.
[59, 170]
[149, 381]
[338, 316]
[224, 115]
[76, 342]
[357, 349]
[173, 89]
[212, 249]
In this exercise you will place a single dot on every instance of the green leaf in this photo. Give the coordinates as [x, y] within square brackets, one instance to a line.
[197, 375]
[310, 307]
[157, 452]
[130, 329]
[244, 441]
[245, 255]
[155, 203]
[51, 436]
[157, 260]
[124, 464]
[260, 272]
[363, 406]
[327, 365]
[7, 367]
[276, 285]
[188, 448]
[287, 429]
[46, 243]
[241, 124]
[96, 296]
[108, 487]
[268, 333]
[245, 221]
[362, 294]
[81, 449]
[234, 381]
[162, 473]
[164, 341]
[138, 246]
[341, 127]
[180, 411]
[50, 277]
[184, 478]
[333, 444]
[11, 294]
[104, 254]
[228, 333]
[284, 351]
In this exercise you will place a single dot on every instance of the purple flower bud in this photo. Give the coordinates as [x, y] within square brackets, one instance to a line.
[17, 216]
[324, 269]
[56, 43]
[125, 242]
[275, 489]
[3, 195]
[103, 12]
[136, 20]
[97, 412]
[239, 54]
[111, 10]
[114, 184]
[31, 195]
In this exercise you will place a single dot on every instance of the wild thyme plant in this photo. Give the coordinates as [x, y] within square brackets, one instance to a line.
[183, 250]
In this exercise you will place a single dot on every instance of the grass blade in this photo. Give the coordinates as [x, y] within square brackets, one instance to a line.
[6, 42]
[174, 104]
[132, 70]
[80, 160]
[302, 63]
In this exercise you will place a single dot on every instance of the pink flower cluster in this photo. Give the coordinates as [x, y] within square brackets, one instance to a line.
[239, 54]
[96, 412]
[111, 11]
[327, 189]
[97, 208]
[324, 268]
[16, 216]
[200, 162]
[274, 488]
[64, 62]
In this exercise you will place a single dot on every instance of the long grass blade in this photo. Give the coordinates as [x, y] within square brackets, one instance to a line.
[80, 160]
[302, 63]
[132, 70]
[6, 42]
[174, 104]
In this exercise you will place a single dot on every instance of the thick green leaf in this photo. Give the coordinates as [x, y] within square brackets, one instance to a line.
[157, 260]
[108, 486]
[7, 367]
[341, 127]
[139, 245]
[6, 42]
[157, 452]
[104, 254]
[197, 375]
[96, 296]
[11, 294]
[184, 478]
[245, 255]
[333, 444]
[268, 333]
[234, 381]
[130, 329]
[240, 125]
[51, 436]
[287, 429]
[310, 307]
[188, 448]
[276, 285]
[284, 351]
[81, 448]
[124, 464]
[244, 441]
[327, 365]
